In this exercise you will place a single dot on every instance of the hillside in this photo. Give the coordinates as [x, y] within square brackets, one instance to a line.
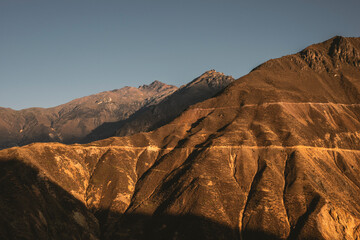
[72, 121]
[273, 156]
[157, 115]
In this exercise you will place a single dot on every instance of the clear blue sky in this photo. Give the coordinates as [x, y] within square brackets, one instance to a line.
[54, 51]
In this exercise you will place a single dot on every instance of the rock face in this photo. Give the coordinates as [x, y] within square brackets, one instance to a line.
[154, 116]
[273, 156]
[71, 122]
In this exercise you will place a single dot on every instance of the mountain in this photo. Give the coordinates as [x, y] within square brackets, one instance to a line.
[273, 156]
[70, 122]
[154, 116]
[119, 112]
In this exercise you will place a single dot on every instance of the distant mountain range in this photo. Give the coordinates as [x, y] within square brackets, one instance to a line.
[153, 116]
[274, 155]
[100, 115]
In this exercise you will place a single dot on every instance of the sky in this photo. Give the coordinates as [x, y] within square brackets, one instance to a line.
[54, 51]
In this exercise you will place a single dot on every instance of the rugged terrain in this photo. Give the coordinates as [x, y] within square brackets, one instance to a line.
[127, 110]
[273, 156]
[154, 116]
[72, 121]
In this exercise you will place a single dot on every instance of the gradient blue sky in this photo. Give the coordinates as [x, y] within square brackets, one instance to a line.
[54, 51]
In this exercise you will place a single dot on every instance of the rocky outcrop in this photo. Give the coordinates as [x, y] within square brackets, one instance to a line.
[273, 156]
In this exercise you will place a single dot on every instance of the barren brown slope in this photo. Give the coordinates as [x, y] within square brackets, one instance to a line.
[70, 122]
[274, 156]
[157, 115]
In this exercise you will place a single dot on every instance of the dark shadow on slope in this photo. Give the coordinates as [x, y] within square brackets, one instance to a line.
[144, 120]
[155, 116]
[33, 207]
[294, 234]
[139, 226]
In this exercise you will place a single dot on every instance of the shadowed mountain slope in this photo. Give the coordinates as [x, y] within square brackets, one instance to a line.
[154, 116]
[273, 156]
[70, 122]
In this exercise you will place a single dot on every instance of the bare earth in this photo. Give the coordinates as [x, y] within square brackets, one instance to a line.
[273, 156]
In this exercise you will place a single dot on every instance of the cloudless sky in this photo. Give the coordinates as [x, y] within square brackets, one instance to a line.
[53, 51]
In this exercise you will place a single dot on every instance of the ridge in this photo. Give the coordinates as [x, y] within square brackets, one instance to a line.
[155, 85]
[211, 78]
[321, 57]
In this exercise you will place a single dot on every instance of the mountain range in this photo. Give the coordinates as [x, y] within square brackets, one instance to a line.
[98, 116]
[153, 116]
[274, 155]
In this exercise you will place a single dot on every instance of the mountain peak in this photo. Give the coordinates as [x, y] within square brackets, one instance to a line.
[325, 56]
[155, 85]
[212, 72]
[345, 50]
[329, 54]
[212, 78]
